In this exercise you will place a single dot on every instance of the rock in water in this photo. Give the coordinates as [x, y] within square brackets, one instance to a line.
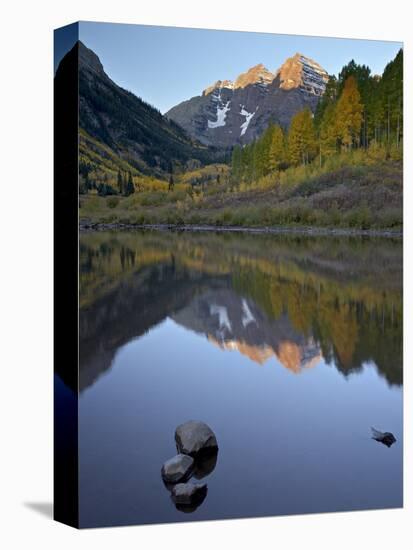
[194, 437]
[387, 438]
[178, 468]
[189, 494]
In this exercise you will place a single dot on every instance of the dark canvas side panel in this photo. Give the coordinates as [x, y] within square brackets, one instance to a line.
[66, 373]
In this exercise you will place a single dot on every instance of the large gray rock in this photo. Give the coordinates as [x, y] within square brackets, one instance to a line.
[178, 468]
[189, 493]
[194, 437]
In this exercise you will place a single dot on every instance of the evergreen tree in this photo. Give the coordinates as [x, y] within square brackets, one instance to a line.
[83, 188]
[171, 183]
[104, 190]
[349, 115]
[130, 188]
[259, 160]
[263, 148]
[376, 115]
[362, 76]
[249, 157]
[236, 162]
[120, 183]
[329, 98]
[390, 100]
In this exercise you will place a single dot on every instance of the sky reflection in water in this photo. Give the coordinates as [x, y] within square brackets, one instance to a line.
[289, 348]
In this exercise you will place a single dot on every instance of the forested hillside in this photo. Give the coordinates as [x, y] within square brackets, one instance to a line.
[121, 136]
[339, 166]
[357, 111]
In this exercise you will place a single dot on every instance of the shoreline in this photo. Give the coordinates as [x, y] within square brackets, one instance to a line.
[304, 230]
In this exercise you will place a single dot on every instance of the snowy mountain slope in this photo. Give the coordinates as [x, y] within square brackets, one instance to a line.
[237, 112]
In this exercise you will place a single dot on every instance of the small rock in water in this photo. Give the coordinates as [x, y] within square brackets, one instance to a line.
[189, 494]
[177, 468]
[193, 437]
[387, 438]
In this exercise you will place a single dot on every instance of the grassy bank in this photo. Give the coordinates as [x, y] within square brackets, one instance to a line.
[352, 191]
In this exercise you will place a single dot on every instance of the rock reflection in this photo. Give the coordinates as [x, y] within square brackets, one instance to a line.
[205, 464]
[189, 495]
[192, 503]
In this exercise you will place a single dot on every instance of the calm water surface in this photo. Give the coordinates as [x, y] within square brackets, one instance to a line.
[290, 348]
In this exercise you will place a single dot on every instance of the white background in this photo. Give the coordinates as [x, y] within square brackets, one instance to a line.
[27, 282]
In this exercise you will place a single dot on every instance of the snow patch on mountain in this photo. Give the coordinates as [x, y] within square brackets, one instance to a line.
[221, 113]
[247, 316]
[248, 117]
[222, 313]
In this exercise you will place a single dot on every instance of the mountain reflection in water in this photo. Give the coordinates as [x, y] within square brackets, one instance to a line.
[237, 324]
[296, 299]
[289, 347]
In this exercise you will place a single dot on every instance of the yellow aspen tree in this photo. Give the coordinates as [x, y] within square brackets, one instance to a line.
[277, 149]
[349, 114]
[302, 144]
[328, 132]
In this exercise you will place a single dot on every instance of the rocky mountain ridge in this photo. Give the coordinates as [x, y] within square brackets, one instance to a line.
[115, 124]
[230, 112]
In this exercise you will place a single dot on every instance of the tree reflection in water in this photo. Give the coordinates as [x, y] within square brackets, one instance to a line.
[295, 298]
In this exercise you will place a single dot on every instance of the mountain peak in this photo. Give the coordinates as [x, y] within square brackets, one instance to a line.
[217, 85]
[88, 59]
[303, 72]
[258, 74]
[237, 112]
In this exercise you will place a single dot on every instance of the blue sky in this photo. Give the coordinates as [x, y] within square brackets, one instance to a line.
[166, 65]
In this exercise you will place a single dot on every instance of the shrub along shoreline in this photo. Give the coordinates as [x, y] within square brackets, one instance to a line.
[86, 225]
[356, 197]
